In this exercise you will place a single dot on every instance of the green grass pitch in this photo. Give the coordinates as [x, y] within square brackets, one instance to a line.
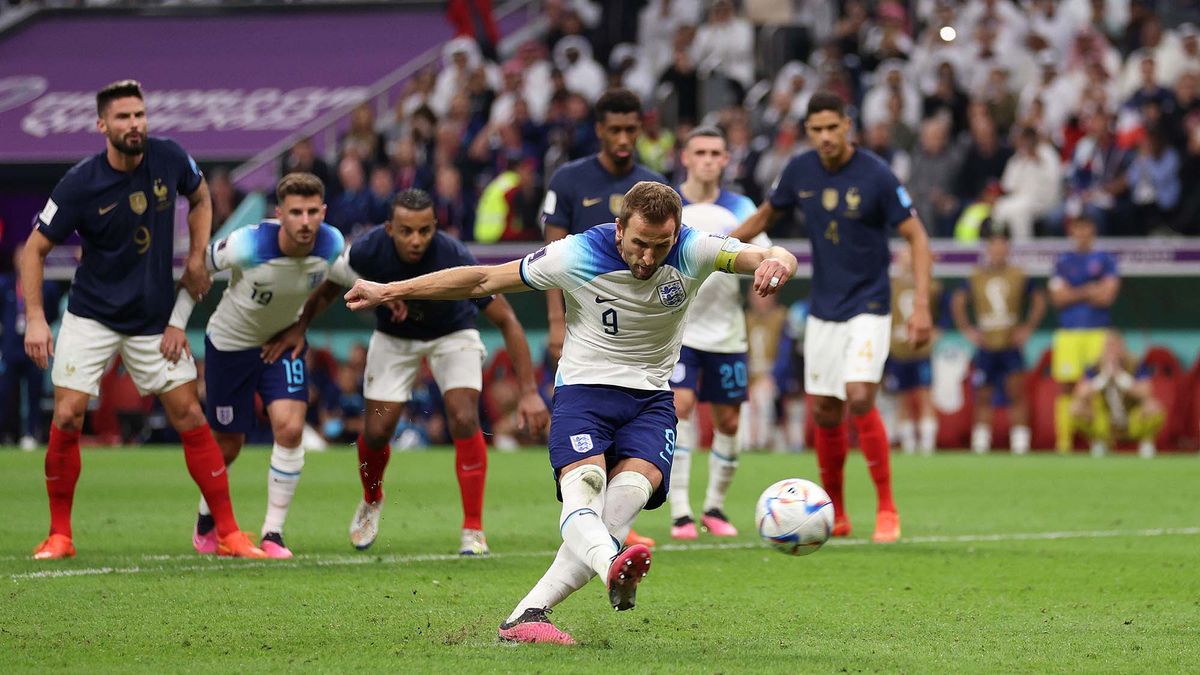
[1046, 564]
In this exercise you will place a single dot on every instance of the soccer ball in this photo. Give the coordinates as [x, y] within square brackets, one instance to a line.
[794, 516]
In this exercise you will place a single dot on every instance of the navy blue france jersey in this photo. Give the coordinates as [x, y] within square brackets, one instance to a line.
[583, 193]
[374, 257]
[127, 223]
[849, 214]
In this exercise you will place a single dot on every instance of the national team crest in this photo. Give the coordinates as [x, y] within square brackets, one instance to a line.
[829, 199]
[582, 443]
[853, 199]
[315, 279]
[137, 202]
[225, 414]
[672, 293]
[615, 202]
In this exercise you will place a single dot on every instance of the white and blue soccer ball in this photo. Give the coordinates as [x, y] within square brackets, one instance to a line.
[794, 516]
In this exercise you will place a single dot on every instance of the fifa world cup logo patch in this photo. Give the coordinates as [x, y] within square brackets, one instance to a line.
[672, 293]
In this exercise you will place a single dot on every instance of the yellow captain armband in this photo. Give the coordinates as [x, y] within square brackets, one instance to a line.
[728, 253]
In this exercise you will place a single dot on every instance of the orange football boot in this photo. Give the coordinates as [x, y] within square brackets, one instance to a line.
[841, 525]
[635, 538]
[887, 527]
[237, 545]
[55, 547]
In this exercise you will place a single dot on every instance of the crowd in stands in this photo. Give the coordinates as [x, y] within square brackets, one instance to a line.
[1027, 111]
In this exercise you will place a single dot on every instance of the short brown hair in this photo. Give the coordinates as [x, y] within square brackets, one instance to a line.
[116, 90]
[300, 184]
[654, 202]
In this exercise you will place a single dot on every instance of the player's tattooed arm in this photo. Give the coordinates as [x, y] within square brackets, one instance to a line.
[920, 323]
[196, 278]
[757, 223]
[39, 342]
[531, 409]
[456, 283]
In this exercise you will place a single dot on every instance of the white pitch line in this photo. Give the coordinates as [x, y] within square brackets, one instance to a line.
[221, 565]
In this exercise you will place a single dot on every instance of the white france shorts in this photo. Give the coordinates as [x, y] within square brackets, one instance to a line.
[85, 346]
[837, 352]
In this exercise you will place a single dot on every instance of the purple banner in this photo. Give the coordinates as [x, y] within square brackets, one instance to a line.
[224, 86]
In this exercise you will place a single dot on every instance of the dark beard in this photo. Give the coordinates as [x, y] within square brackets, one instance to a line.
[129, 150]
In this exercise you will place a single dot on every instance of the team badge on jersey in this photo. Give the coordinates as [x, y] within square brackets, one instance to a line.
[615, 202]
[315, 279]
[137, 202]
[672, 293]
[829, 199]
[581, 443]
[225, 414]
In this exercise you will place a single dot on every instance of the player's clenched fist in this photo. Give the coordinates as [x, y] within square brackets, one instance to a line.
[770, 276]
[364, 295]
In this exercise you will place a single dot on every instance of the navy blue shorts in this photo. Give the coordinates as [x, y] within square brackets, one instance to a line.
[992, 369]
[716, 378]
[593, 419]
[904, 375]
[232, 379]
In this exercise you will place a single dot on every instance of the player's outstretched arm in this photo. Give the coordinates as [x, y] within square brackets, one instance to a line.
[771, 267]
[756, 224]
[196, 278]
[456, 283]
[531, 409]
[39, 342]
[920, 323]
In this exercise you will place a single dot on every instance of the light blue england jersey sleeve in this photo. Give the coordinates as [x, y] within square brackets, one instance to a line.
[623, 331]
[267, 290]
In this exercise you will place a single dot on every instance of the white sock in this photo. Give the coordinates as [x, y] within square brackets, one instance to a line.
[623, 501]
[908, 436]
[625, 498]
[583, 531]
[681, 469]
[282, 478]
[981, 438]
[203, 508]
[1018, 440]
[927, 428]
[722, 463]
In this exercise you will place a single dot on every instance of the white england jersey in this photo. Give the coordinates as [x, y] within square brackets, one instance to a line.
[268, 289]
[716, 322]
[623, 331]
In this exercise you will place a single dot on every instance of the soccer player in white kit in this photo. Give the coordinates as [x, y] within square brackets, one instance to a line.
[275, 265]
[712, 362]
[612, 433]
